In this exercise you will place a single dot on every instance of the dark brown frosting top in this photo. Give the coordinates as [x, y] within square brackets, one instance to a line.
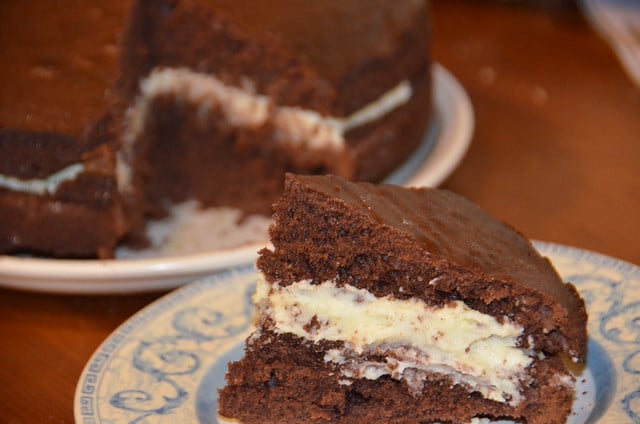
[451, 227]
[334, 35]
[59, 59]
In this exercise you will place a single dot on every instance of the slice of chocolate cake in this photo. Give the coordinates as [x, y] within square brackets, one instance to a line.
[395, 305]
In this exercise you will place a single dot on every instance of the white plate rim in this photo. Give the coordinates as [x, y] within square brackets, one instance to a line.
[606, 283]
[122, 276]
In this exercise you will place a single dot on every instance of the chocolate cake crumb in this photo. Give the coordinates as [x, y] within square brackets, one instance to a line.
[344, 247]
[138, 105]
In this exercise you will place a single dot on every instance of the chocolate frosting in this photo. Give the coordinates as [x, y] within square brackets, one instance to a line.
[447, 225]
[59, 60]
[357, 33]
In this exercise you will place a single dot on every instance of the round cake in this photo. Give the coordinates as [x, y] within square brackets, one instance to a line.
[133, 107]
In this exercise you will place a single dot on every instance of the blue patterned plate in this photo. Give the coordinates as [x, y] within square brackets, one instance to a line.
[165, 364]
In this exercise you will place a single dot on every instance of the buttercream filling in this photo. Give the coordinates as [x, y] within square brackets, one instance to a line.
[415, 339]
[42, 186]
[243, 107]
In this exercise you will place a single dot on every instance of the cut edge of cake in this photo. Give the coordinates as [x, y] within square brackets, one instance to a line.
[323, 272]
[297, 106]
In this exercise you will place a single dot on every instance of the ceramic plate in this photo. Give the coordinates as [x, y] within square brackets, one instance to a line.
[165, 364]
[438, 155]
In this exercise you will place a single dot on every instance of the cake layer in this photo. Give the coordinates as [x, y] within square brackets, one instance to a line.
[424, 243]
[362, 33]
[472, 348]
[284, 378]
[59, 63]
[75, 211]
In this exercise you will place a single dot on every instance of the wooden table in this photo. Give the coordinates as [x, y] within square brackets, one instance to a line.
[556, 153]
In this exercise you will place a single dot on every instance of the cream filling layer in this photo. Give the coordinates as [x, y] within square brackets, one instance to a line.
[471, 347]
[243, 107]
[41, 186]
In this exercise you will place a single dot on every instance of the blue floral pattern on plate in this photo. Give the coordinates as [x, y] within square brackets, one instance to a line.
[165, 364]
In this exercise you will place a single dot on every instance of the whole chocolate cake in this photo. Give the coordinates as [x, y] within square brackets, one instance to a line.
[112, 112]
[386, 304]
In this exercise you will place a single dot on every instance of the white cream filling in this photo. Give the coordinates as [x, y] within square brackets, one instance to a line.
[242, 107]
[42, 186]
[471, 347]
[189, 229]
